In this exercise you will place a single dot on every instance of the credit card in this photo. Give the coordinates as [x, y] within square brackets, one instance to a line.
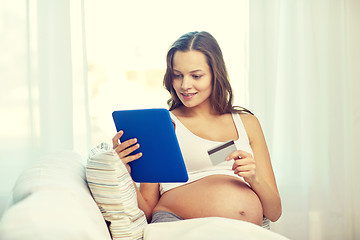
[220, 152]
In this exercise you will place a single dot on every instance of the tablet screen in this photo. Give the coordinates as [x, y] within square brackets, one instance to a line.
[161, 159]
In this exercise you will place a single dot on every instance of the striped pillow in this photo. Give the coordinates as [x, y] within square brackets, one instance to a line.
[266, 223]
[114, 192]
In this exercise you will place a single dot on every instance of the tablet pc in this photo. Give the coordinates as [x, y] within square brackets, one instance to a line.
[162, 160]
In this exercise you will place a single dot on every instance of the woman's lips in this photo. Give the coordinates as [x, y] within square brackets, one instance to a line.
[188, 96]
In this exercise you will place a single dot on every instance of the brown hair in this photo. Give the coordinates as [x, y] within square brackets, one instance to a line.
[221, 97]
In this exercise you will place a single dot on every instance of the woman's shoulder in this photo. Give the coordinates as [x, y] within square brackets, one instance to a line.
[251, 124]
[248, 118]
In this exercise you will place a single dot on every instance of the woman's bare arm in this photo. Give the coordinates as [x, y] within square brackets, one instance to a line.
[264, 184]
[148, 196]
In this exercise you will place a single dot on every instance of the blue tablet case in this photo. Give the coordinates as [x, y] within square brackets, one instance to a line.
[162, 160]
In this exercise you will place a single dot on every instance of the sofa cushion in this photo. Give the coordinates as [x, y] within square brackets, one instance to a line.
[51, 214]
[209, 228]
[51, 198]
[59, 170]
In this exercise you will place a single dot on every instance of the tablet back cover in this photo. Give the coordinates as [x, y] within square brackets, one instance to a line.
[162, 160]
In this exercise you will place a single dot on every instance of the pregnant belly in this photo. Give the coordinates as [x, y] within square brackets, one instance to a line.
[213, 196]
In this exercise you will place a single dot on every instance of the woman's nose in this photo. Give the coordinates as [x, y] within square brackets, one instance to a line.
[186, 83]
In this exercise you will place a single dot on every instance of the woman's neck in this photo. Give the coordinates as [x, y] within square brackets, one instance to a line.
[204, 110]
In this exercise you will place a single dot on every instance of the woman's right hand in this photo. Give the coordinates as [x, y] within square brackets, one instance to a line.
[125, 149]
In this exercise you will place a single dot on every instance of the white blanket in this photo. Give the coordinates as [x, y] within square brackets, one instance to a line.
[208, 228]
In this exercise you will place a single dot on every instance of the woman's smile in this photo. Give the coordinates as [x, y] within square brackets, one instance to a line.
[188, 96]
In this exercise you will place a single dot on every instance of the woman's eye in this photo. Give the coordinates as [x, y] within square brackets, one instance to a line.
[196, 76]
[177, 75]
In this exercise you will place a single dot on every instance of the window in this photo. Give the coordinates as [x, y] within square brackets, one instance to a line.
[127, 42]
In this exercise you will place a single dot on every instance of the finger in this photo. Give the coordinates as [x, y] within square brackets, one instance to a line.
[127, 151]
[125, 145]
[238, 154]
[244, 168]
[244, 162]
[116, 138]
[248, 174]
[131, 158]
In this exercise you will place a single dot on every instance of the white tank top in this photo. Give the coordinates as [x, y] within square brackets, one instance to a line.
[194, 151]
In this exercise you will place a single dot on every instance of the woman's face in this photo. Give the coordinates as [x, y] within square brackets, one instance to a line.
[192, 78]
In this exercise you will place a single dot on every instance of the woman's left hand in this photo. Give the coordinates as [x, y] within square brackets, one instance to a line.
[244, 165]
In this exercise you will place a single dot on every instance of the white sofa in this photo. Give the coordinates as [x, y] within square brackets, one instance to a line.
[51, 200]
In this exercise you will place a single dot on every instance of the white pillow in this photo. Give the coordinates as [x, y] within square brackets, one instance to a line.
[115, 193]
[51, 200]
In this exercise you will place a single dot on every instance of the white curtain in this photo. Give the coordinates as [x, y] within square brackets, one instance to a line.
[304, 82]
[43, 91]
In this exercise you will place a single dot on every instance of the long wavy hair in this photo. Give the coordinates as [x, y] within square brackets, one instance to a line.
[221, 97]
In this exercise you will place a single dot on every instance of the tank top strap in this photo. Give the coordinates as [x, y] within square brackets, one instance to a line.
[243, 137]
[175, 119]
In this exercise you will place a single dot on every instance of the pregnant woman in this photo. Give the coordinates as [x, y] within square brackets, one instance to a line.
[243, 186]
